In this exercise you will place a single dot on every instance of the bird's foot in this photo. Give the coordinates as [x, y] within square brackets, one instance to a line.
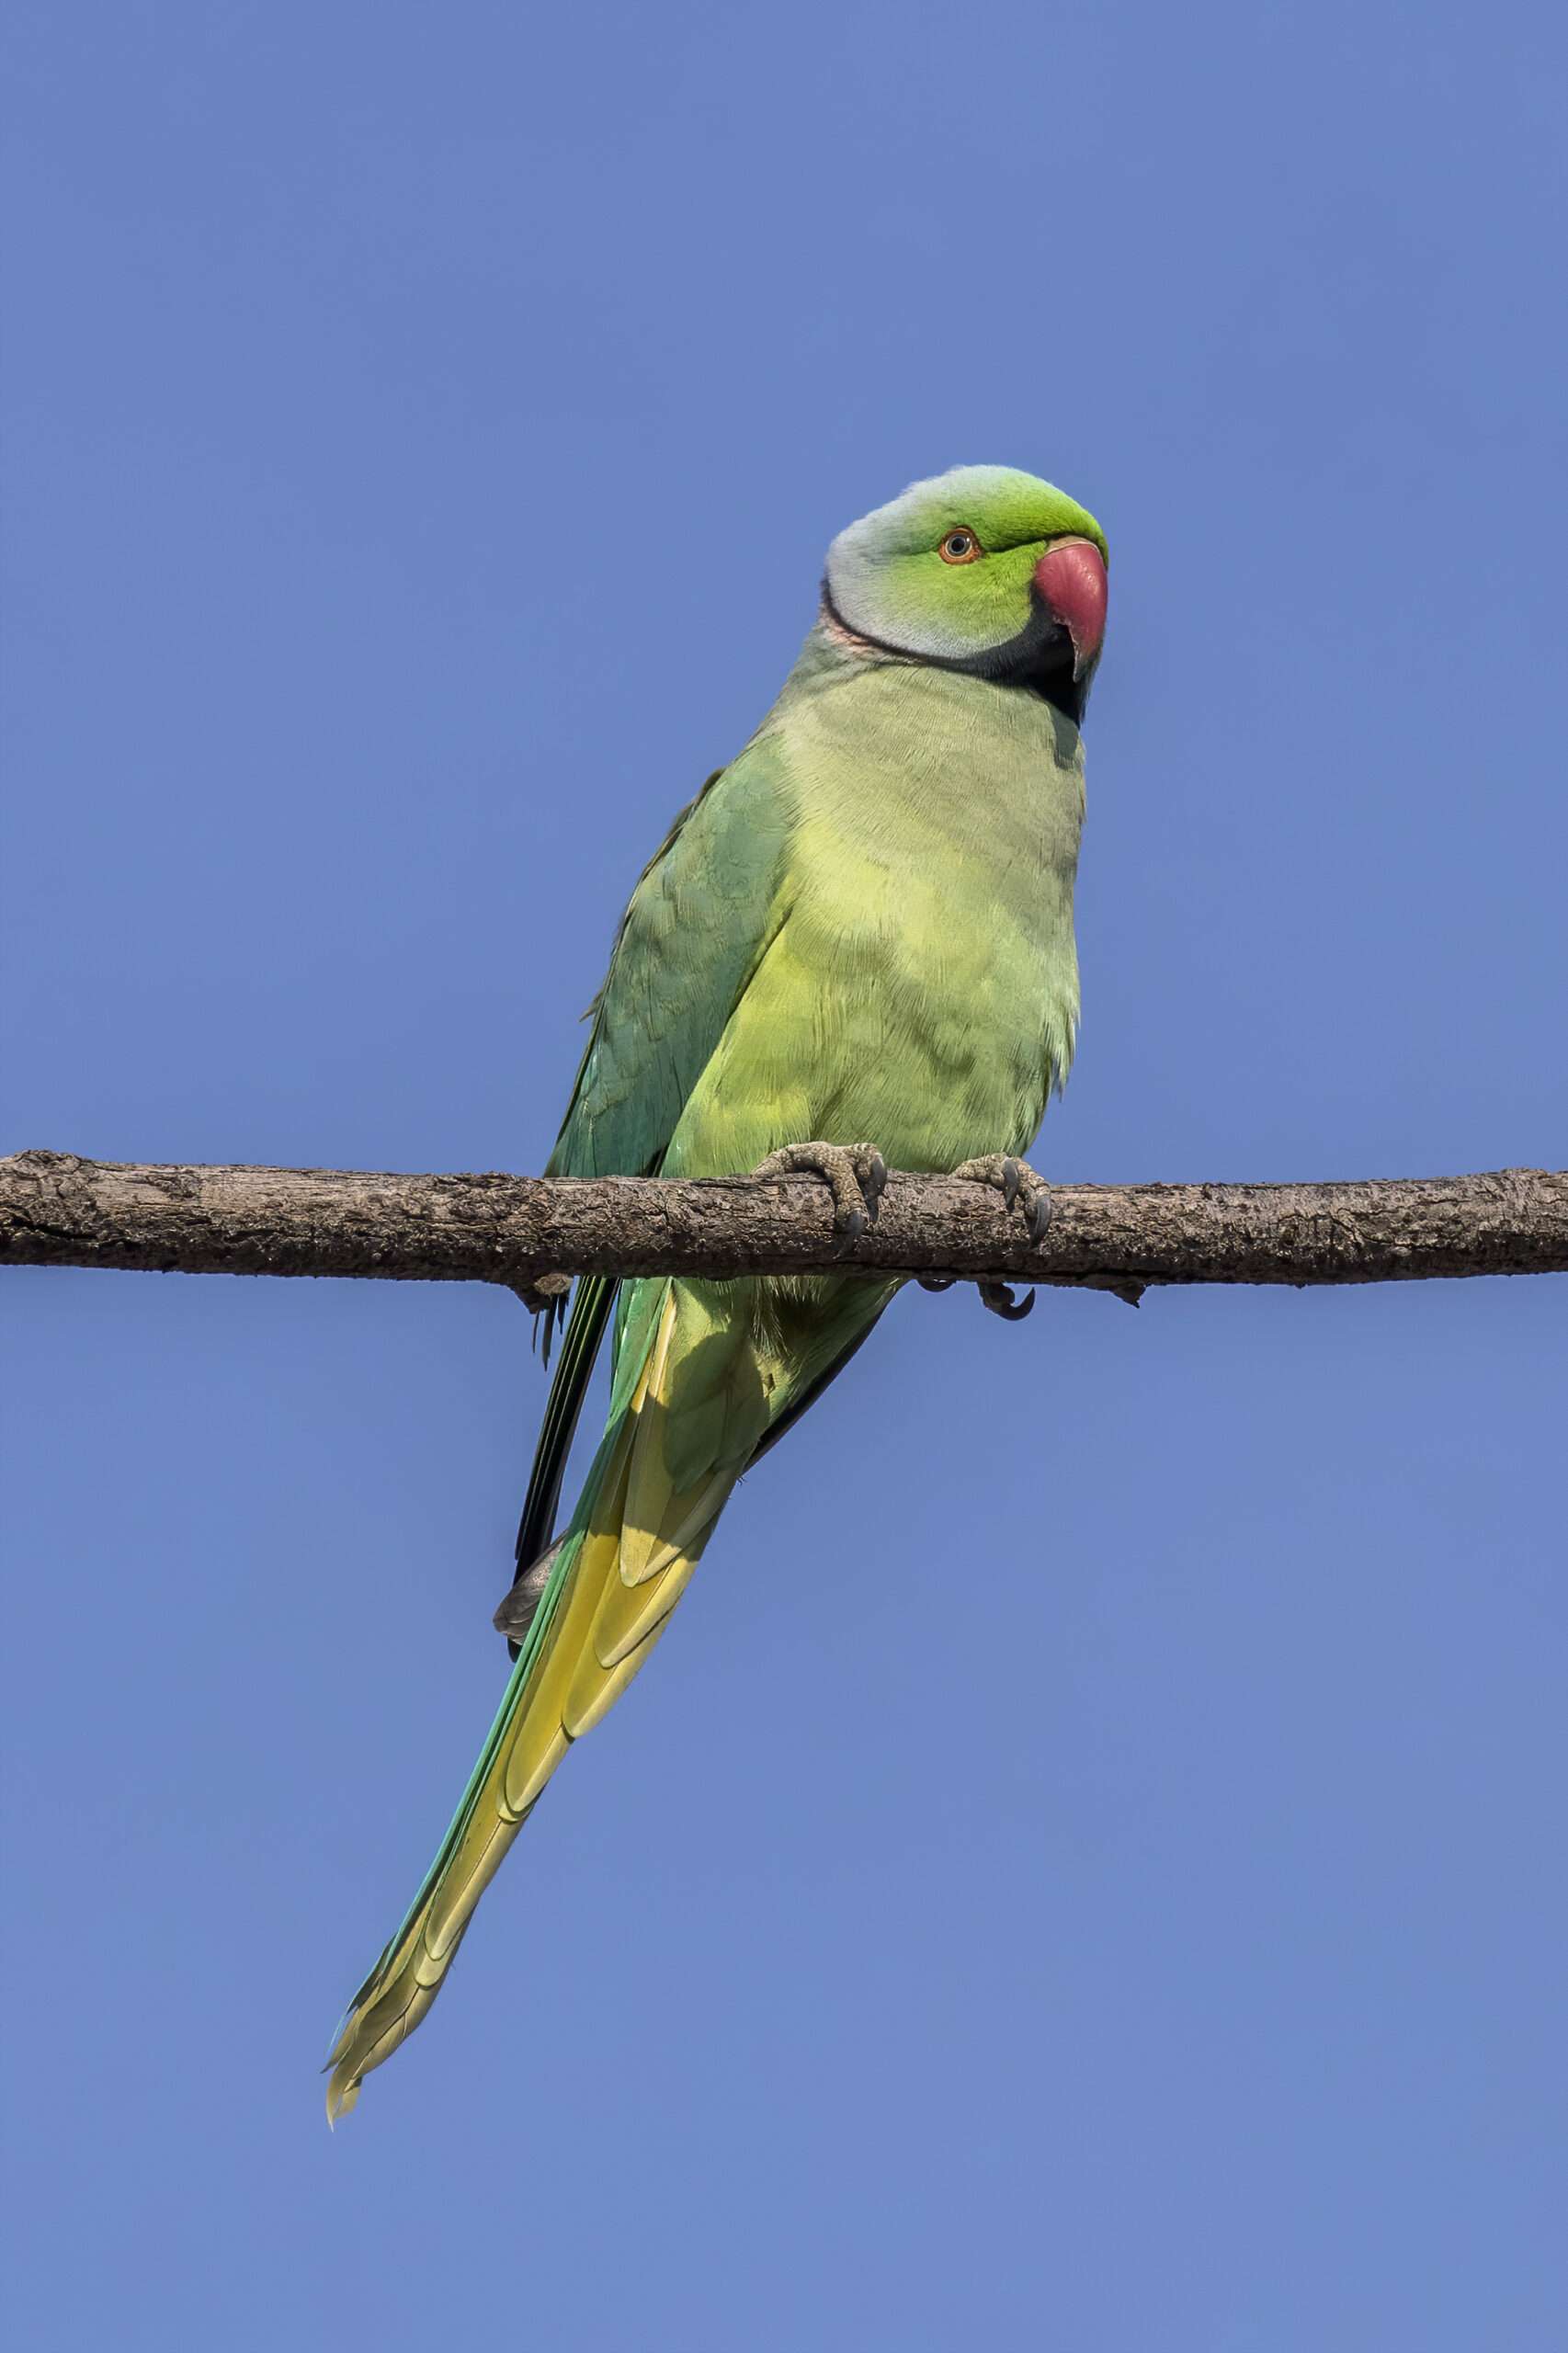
[519, 1605]
[857, 1172]
[1003, 1301]
[1016, 1181]
[545, 1299]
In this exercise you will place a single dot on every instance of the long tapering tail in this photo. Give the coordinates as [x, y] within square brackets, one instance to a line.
[621, 1568]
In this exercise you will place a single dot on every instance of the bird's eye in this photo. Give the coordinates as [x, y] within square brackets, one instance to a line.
[960, 547]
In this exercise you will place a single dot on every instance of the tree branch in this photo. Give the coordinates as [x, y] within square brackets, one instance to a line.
[58, 1211]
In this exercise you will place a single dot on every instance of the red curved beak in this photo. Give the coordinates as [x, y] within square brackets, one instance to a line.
[1071, 577]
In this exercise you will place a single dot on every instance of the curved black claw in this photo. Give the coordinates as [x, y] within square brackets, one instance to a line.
[1002, 1302]
[935, 1282]
[1016, 1181]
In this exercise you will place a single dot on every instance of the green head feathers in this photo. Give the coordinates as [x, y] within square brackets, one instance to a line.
[982, 569]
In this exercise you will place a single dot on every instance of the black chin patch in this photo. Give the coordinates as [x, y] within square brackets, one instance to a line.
[1041, 660]
[1038, 660]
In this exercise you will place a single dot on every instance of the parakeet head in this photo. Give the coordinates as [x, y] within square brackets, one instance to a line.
[982, 569]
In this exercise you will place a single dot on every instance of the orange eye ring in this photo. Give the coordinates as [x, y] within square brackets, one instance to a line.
[961, 546]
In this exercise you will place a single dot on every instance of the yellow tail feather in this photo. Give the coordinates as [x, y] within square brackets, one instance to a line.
[629, 1569]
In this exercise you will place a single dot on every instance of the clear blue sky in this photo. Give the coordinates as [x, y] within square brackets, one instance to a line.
[1087, 1871]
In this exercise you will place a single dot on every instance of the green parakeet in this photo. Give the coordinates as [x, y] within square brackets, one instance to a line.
[861, 928]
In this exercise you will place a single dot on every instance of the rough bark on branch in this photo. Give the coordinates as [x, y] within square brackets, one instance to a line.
[58, 1211]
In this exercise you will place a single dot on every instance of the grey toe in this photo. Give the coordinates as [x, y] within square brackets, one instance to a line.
[1002, 1302]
